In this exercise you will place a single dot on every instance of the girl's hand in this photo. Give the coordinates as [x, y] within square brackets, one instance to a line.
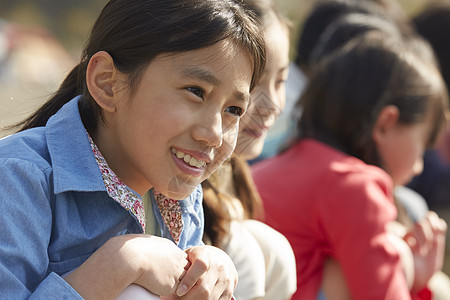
[162, 264]
[427, 243]
[211, 275]
[154, 263]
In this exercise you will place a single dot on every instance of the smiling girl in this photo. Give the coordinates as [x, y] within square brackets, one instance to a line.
[369, 111]
[154, 105]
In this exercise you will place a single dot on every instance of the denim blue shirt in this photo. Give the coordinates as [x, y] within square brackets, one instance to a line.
[56, 211]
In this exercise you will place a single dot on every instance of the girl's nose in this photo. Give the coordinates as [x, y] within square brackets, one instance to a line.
[209, 130]
[418, 166]
[266, 103]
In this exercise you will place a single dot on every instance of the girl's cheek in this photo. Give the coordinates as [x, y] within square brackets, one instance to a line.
[230, 137]
[228, 144]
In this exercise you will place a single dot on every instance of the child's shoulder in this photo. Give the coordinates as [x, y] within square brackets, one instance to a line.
[28, 146]
[351, 181]
[356, 172]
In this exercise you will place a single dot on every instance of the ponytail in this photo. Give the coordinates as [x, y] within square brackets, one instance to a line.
[246, 190]
[215, 199]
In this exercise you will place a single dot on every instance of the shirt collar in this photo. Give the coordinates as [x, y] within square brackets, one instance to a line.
[117, 189]
[74, 165]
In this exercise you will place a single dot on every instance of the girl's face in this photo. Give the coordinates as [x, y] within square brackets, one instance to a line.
[268, 97]
[402, 150]
[182, 121]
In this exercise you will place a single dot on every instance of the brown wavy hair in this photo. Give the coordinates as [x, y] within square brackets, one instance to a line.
[217, 216]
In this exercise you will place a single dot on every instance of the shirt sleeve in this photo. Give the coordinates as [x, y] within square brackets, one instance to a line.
[355, 223]
[54, 287]
[26, 224]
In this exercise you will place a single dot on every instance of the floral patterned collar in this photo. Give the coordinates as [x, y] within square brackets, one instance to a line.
[170, 209]
[117, 189]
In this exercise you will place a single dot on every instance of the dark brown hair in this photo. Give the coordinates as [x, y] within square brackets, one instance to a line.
[325, 13]
[217, 215]
[350, 87]
[134, 32]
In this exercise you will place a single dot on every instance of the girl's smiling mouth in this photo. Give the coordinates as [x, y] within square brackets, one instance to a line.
[188, 163]
[255, 133]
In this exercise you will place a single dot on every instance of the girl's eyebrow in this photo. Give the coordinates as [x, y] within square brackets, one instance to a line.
[204, 75]
[244, 97]
[284, 68]
[281, 69]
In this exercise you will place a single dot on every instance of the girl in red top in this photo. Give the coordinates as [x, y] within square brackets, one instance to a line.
[369, 112]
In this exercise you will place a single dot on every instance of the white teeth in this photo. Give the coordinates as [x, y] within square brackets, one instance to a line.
[193, 161]
[189, 159]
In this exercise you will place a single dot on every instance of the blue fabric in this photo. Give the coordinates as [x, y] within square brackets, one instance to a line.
[56, 211]
[415, 205]
[321, 296]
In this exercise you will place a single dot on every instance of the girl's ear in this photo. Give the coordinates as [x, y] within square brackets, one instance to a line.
[387, 119]
[101, 75]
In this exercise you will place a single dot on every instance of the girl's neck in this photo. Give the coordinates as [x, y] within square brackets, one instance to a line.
[114, 159]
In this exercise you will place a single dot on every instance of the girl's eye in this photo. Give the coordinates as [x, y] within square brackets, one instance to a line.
[235, 110]
[280, 82]
[196, 91]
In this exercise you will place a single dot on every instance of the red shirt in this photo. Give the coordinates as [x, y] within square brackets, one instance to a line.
[328, 203]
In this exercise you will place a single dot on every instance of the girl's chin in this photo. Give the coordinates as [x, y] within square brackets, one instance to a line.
[178, 195]
[179, 189]
[180, 192]
[249, 152]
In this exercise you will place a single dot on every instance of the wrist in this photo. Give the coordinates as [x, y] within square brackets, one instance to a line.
[108, 268]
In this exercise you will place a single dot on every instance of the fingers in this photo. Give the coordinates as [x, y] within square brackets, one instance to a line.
[427, 243]
[186, 267]
[197, 267]
[210, 287]
[211, 275]
[223, 291]
[426, 234]
[439, 227]
[219, 288]
[159, 261]
[437, 224]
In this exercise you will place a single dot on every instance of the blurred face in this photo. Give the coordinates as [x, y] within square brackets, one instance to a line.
[182, 121]
[402, 151]
[268, 97]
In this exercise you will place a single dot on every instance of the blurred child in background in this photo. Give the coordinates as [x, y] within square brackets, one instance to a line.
[263, 257]
[369, 112]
